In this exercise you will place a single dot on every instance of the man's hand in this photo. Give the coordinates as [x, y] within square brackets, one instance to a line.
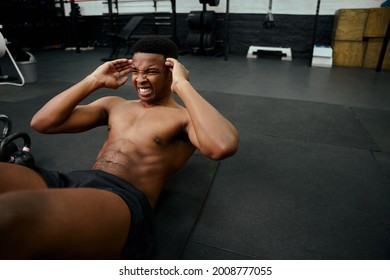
[112, 74]
[179, 72]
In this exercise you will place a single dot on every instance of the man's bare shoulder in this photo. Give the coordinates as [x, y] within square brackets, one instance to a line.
[110, 102]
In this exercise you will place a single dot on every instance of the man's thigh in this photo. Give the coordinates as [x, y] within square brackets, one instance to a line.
[66, 223]
[16, 177]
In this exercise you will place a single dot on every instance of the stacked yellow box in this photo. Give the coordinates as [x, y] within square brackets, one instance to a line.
[358, 37]
[375, 31]
[348, 35]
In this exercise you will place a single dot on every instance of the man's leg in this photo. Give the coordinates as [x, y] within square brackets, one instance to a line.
[59, 223]
[16, 177]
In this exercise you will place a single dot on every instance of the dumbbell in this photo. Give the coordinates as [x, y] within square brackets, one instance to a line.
[21, 157]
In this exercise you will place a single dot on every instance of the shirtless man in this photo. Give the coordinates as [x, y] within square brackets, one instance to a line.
[105, 212]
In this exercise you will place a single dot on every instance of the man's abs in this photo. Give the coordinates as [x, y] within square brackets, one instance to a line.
[148, 178]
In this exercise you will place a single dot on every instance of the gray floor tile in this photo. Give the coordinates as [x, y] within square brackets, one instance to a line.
[291, 119]
[180, 205]
[377, 123]
[198, 251]
[280, 199]
[383, 160]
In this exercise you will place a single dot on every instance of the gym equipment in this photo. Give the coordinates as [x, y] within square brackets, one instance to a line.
[21, 157]
[266, 51]
[313, 41]
[259, 51]
[4, 78]
[6, 131]
[201, 37]
[194, 20]
[160, 19]
[123, 37]
[269, 18]
[75, 16]
[209, 41]
[194, 41]
[202, 20]
[9, 151]
[213, 3]
[227, 30]
[322, 56]
[7, 126]
[209, 20]
[383, 48]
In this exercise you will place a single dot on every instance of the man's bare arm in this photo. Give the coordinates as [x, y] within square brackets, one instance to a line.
[208, 130]
[63, 114]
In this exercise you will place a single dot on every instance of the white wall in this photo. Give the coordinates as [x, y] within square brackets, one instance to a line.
[300, 7]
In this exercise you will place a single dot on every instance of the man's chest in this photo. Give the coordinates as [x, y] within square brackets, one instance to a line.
[157, 126]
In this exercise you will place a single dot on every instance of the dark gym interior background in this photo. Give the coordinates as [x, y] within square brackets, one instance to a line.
[311, 177]
[48, 24]
[38, 24]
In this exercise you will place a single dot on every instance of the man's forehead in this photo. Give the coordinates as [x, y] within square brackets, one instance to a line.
[148, 56]
[148, 59]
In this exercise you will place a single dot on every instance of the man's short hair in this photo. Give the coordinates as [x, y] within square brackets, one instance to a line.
[157, 45]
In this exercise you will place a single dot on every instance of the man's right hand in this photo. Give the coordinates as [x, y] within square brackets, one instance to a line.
[112, 74]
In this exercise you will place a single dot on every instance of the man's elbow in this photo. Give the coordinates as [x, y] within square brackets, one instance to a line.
[224, 151]
[39, 125]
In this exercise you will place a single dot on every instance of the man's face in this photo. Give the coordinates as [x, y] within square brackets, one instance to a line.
[150, 77]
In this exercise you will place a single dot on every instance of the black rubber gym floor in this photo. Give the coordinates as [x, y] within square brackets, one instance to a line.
[311, 179]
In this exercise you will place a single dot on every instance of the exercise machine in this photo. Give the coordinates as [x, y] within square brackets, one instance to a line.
[201, 38]
[4, 79]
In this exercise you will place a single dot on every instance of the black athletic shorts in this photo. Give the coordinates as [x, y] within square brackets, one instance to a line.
[140, 241]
